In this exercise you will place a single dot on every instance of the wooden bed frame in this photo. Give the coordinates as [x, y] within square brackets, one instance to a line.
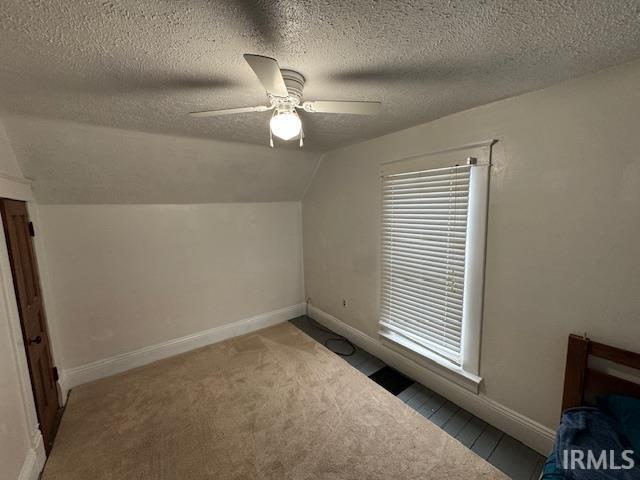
[582, 383]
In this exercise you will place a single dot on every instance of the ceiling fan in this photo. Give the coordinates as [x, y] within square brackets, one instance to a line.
[284, 91]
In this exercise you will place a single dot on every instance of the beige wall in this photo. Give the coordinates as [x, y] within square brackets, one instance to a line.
[564, 222]
[123, 277]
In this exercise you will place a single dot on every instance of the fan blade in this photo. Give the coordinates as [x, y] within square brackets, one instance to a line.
[227, 111]
[268, 72]
[336, 106]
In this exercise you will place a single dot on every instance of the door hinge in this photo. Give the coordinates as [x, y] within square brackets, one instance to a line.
[56, 377]
[32, 230]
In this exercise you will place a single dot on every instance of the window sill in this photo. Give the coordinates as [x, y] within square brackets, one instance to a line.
[431, 361]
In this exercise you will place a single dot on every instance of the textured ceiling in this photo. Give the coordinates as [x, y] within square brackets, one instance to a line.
[142, 64]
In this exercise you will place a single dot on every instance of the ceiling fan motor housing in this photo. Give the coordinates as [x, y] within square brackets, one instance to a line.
[295, 84]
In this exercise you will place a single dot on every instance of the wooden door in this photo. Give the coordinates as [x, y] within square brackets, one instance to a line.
[18, 232]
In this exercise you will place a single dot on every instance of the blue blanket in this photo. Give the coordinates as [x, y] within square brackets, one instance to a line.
[589, 446]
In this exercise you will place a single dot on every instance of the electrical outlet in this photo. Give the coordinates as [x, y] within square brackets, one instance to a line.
[344, 303]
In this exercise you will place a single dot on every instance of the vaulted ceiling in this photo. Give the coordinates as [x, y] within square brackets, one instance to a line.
[143, 64]
[72, 163]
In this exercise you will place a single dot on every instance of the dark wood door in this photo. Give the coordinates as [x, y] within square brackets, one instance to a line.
[26, 280]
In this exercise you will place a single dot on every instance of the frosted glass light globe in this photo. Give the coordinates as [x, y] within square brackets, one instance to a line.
[285, 125]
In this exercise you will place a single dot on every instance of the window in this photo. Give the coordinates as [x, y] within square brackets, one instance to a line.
[433, 241]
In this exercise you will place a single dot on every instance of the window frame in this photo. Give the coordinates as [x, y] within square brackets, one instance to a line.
[467, 372]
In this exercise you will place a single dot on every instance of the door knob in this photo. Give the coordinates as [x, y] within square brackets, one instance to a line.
[37, 340]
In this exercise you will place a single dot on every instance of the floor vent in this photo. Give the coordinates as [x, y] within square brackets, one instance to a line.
[391, 380]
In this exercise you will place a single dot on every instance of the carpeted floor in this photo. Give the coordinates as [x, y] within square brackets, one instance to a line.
[269, 405]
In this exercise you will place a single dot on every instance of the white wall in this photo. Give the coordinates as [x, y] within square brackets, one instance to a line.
[21, 449]
[8, 163]
[12, 181]
[564, 222]
[15, 438]
[123, 277]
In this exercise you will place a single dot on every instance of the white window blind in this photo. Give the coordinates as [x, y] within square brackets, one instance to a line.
[424, 236]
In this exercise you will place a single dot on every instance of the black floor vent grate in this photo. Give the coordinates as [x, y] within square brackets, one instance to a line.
[391, 380]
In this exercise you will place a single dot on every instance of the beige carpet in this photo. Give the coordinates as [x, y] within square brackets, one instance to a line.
[269, 405]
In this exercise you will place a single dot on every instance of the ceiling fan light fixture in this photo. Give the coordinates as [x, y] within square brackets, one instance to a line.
[285, 125]
[284, 90]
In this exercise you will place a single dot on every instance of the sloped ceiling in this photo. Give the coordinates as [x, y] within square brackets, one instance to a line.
[83, 164]
[143, 64]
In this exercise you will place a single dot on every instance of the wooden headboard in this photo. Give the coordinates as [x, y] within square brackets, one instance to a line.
[582, 382]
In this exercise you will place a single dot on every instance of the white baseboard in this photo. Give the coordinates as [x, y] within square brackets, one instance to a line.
[528, 431]
[126, 361]
[34, 461]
